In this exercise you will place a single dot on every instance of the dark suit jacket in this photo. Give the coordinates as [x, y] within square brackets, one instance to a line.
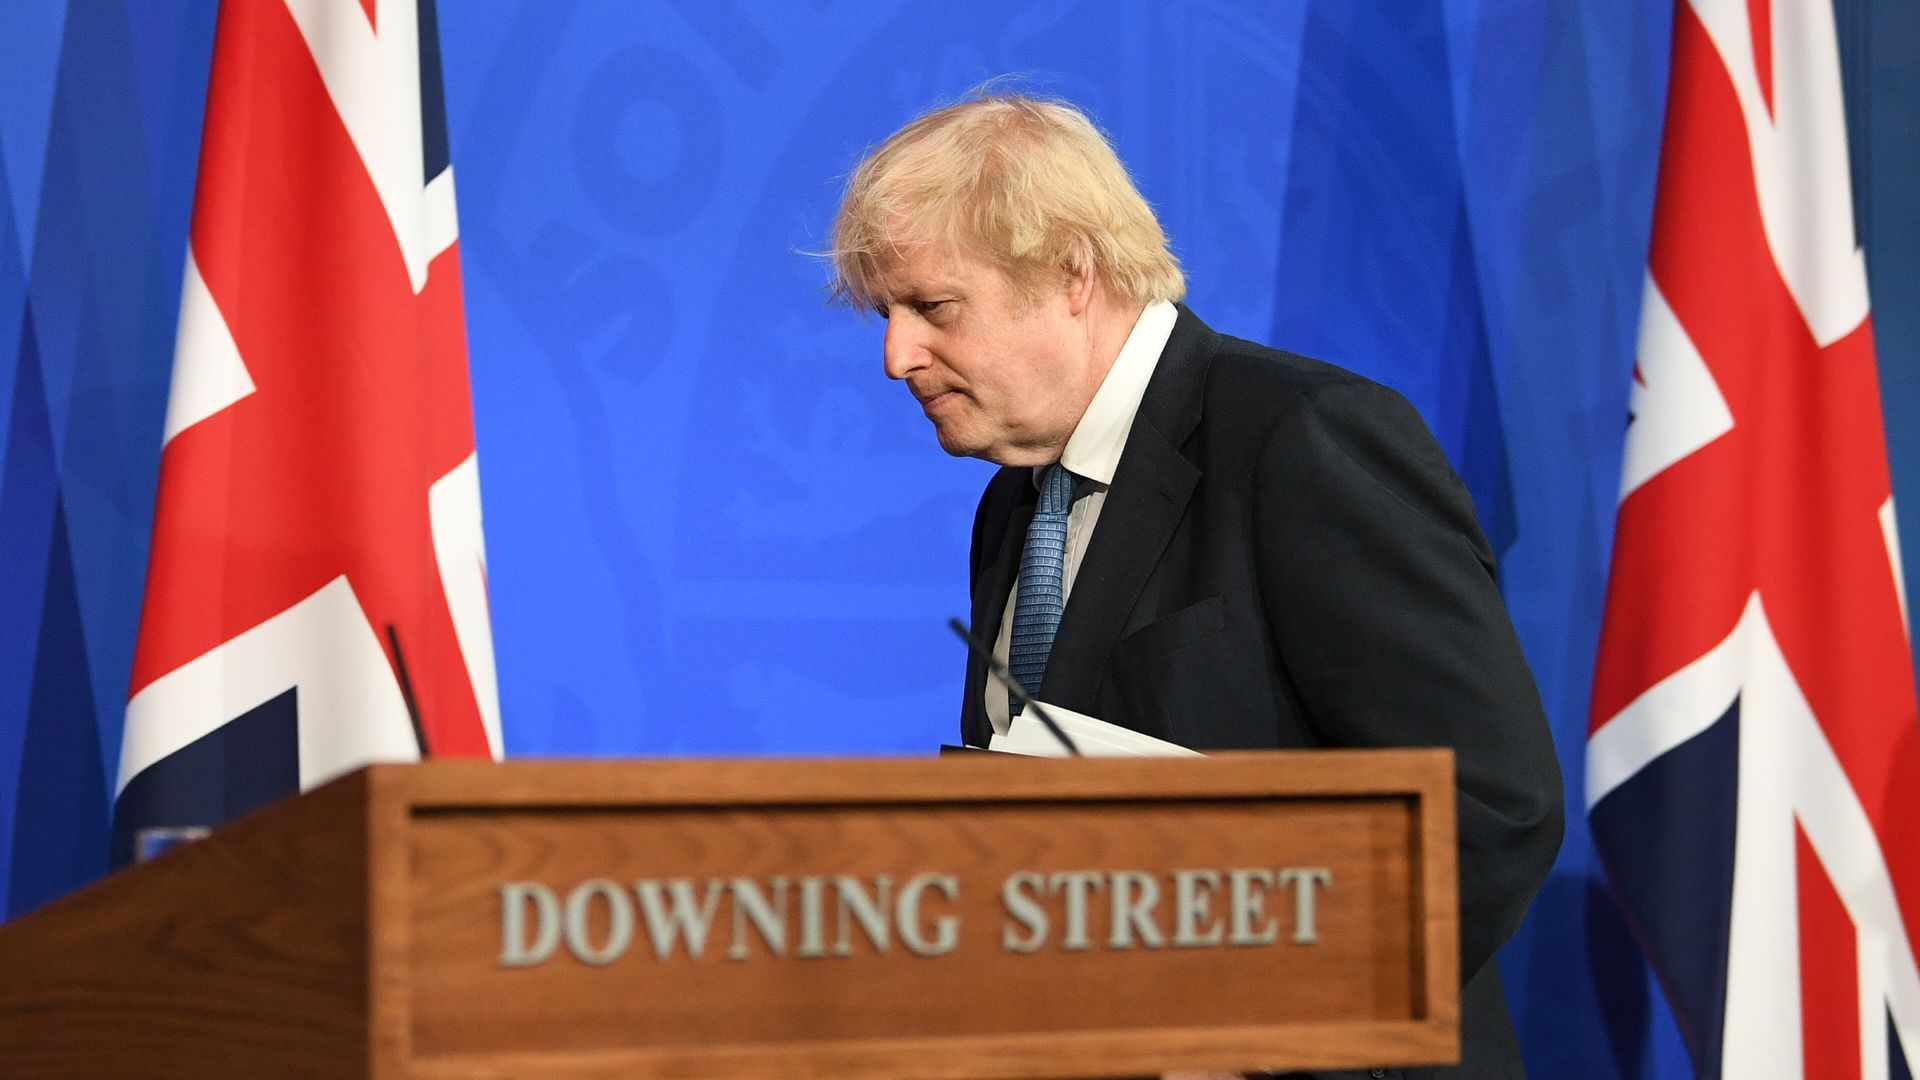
[1286, 560]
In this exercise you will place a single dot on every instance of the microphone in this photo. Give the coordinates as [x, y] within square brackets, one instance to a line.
[406, 692]
[1028, 701]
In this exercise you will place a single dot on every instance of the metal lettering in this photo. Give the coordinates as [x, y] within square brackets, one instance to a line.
[679, 917]
[1249, 906]
[870, 911]
[1075, 884]
[813, 919]
[1130, 915]
[619, 922]
[1303, 879]
[515, 897]
[1194, 922]
[946, 928]
[767, 916]
[1020, 895]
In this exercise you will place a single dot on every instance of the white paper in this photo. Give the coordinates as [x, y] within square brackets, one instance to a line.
[1095, 738]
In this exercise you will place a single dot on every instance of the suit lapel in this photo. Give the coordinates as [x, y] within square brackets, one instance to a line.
[1010, 505]
[1150, 491]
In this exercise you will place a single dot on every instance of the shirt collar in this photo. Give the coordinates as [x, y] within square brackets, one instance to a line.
[1093, 450]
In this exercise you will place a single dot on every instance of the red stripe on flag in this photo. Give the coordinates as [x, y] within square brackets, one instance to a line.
[1760, 28]
[1829, 973]
[1679, 581]
[1682, 565]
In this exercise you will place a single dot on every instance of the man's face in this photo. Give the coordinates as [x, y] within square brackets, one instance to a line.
[1002, 376]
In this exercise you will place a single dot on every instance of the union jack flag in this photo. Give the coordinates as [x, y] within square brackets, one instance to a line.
[318, 499]
[1754, 749]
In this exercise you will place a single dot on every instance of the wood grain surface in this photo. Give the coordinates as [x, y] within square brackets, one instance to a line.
[356, 931]
[243, 955]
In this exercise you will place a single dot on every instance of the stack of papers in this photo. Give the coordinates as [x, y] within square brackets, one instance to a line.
[1095, 738]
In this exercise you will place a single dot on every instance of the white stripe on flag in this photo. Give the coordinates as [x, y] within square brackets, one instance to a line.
[208, 374]
[350, 708]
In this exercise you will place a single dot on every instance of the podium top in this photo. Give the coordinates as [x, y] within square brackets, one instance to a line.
[949, 778]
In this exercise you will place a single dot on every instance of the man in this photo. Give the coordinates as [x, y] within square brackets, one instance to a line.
[1203, 539]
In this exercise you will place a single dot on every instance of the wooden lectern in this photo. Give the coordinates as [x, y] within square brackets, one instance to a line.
[973, 916]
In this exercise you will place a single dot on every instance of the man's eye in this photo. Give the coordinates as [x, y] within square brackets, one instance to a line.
[928, 307]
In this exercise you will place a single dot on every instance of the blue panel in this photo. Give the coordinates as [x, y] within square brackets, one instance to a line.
[59, 813]
[13, 293]
[107, 256]
[1378, 270]
[30, 32]
[29, 497]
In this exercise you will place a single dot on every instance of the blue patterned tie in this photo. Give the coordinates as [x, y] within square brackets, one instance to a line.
[1042, 595]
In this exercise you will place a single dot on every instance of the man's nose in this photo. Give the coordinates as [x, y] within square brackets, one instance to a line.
[902, 352]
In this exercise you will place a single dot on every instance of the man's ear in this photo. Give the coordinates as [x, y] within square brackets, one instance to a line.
[1080, 288]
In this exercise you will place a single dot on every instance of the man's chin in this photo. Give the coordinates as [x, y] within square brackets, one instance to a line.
[957, 444]
[993, 454]
[960, 444]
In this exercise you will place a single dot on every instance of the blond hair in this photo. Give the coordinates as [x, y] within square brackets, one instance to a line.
[1028, 185]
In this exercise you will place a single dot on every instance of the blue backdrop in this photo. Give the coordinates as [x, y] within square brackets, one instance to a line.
[713, 527]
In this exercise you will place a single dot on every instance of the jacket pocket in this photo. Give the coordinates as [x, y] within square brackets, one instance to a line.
[1198, 677]
[1195, 622]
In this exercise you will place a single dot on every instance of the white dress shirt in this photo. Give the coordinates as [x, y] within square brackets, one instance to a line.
[1092, 454]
